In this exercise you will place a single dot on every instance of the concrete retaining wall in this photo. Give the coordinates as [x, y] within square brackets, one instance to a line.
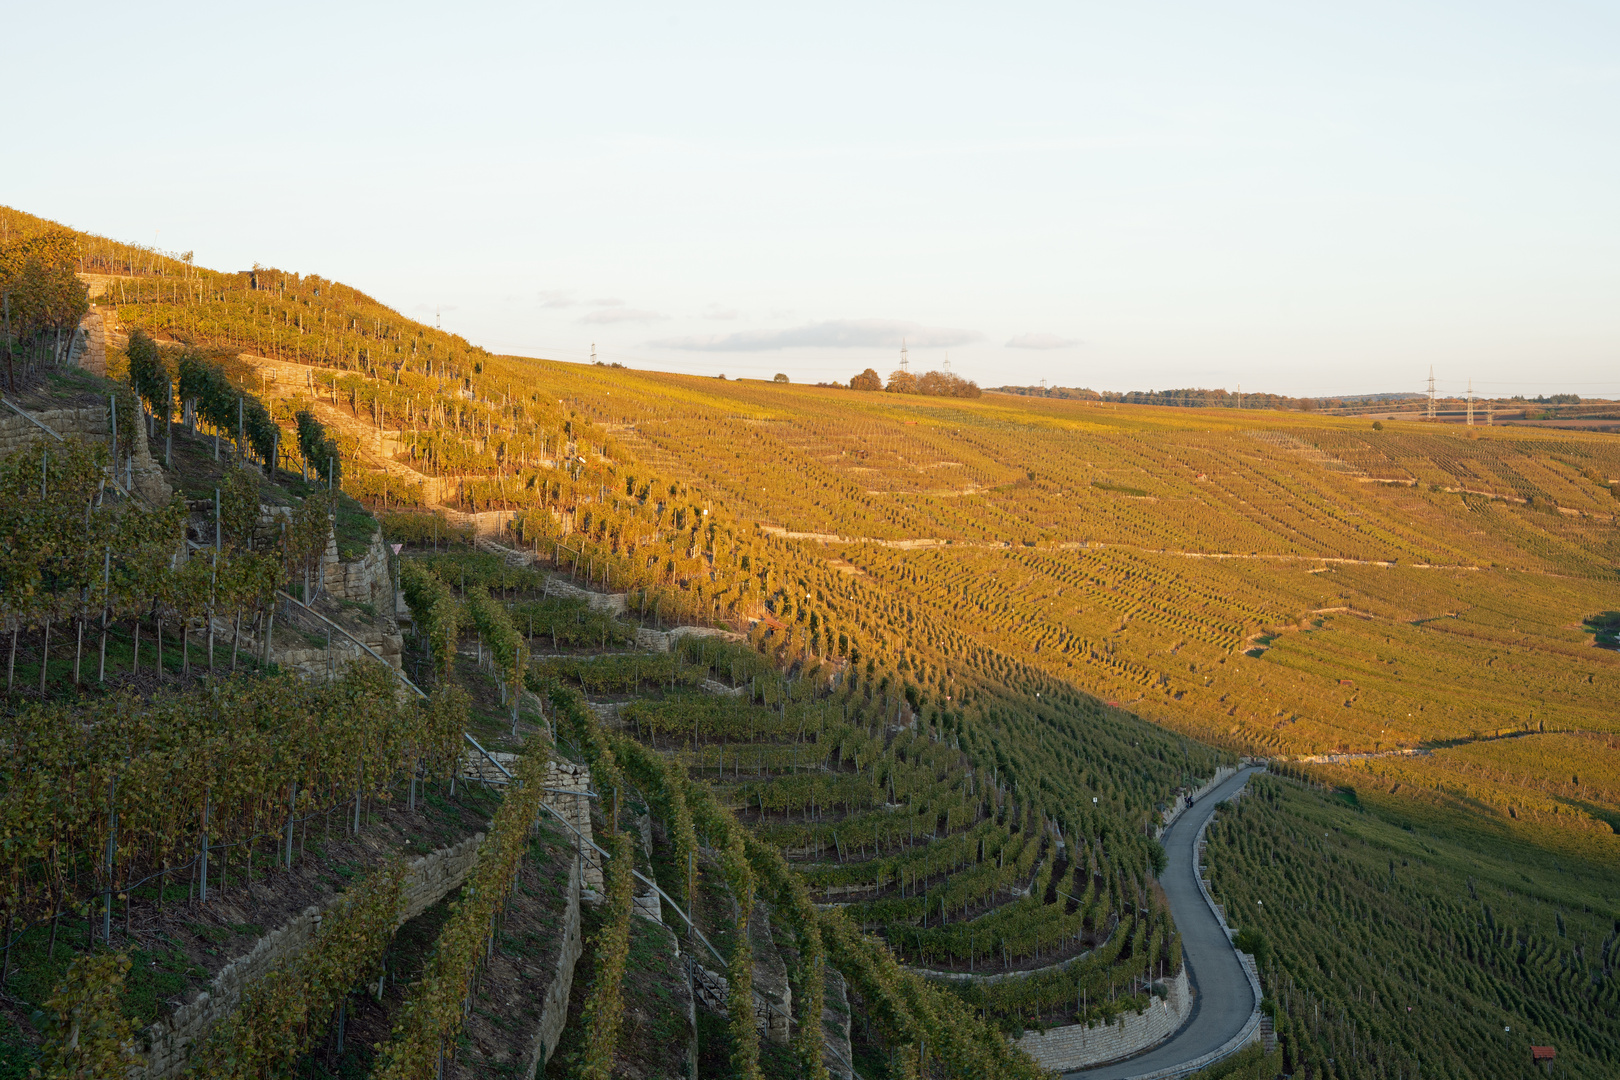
[168, 1045]
[1076, 1046]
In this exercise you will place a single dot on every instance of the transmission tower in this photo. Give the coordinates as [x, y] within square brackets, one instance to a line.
[1240, 395]
[593, 352]
[1431, 391]
[1490, 413]
[1470, 402]
[905, 364]
[947, 363]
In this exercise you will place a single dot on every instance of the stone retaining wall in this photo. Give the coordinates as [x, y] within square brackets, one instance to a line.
[168, 1044]
[563, 777]
[612, 603]
[88, 422]
[1075, 1046]
[661, 641]
[554, 1011]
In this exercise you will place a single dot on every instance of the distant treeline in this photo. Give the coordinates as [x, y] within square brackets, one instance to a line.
[1225, 399]
[1197, 398]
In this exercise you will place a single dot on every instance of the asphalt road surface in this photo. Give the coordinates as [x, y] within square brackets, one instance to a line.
[1223, 1000]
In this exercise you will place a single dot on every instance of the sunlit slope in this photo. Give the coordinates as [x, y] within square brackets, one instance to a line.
[1010, 470]
[1300, 584]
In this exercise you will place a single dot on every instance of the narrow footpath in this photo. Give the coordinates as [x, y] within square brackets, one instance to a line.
[1223, 1000]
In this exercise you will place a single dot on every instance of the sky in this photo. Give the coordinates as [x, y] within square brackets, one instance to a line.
[1291, 197]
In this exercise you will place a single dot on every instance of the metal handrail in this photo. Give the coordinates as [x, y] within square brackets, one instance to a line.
[340, 629]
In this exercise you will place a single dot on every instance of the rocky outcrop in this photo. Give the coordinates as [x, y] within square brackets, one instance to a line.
[837, 1054]
[773, 996]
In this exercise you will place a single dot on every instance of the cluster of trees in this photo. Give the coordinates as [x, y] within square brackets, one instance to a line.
[929, 383]
[41, 298]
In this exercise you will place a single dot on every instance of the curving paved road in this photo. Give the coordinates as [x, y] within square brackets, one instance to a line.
[1223, 1000]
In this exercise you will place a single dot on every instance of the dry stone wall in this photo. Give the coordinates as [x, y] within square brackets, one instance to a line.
[554, 1011]
[168, 1044]
[89, 347]
[612, 603]
[662, 641]
[86, 421]
[563, 778]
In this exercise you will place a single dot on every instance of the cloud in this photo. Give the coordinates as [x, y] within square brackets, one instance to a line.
[1041, 341]
[834, 334]
[605, 301]
[555, 298]
[715, 311]
[622, 314]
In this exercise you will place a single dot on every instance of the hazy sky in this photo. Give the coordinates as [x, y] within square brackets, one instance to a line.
[1296, 197]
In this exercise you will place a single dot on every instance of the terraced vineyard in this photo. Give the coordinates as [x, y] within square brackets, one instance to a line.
[885, 817]
[955, 660]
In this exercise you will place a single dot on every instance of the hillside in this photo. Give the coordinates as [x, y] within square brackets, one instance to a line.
[972, 653]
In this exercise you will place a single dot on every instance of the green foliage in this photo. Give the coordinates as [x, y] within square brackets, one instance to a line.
[87, 1036]
[324, 457]
[437, 612]
[431, 1019]
[422, 530]
[40, 294]
[604, 1013]
[903, 1007]
[239, 506]
[231, 411]
[285, 1011]
[56, 542]
[1393, 949]
[1254, 943]
[149, 376]
[508, 649]
[236, 749]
